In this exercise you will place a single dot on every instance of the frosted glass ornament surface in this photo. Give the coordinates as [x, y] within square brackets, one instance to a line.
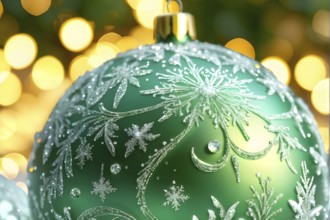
[188, 131]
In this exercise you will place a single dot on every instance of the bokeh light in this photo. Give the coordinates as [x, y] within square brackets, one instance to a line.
[20, 50]
[100, 53]
[8, 124]
[279, 68]
[48, 73]
[36, 7]
[1, 9]
[4, 66]
[10, 168]
[146, 10]
[20, 160]
[143, 35]
[127, 43]
[133, 3]
[242, 46]
[111, 37]
[76, 34]
[79, 66]
[321, 22]
[309, 71]
[320, 96]
[10, 88]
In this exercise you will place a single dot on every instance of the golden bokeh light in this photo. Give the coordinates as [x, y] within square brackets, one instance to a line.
[79, 66]
[127, 43]
[279, 68]
[1, 9]
[242, 46]
[8, 124]
[10, 88]
[10, 167]
[324, 131]
[20, 160]
[320, 96]
[4, 66]
[48, 73]
[143, 35]
[321, 22]
[111, 37]
[20, 50]
[100, 53]
[146, 10]
[133, 3]
[309, 71]
[36, 7]
[76, 34]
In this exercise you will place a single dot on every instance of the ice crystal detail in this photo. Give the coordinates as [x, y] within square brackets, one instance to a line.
[52, 185]
[175, 196]
[319, 161]
[102, 187]
[120, 76]
[139, 137]
[101, 123]
[84, 152]
[194, 92]
[100, 211]
[305, 206]
[58, 122]
[285, 143]
[241, 63]
[223, 214]
[262, 206]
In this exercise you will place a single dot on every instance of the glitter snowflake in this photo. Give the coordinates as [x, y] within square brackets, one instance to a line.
[102, 187]
[120, 76]
[286, 143]
[101, 123]
[262, 205]
[305, 206]
[175, 196]
[223, 214]
[194, 92]
[139, 137]
[84, 152]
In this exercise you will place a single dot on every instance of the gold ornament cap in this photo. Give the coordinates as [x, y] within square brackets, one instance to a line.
[174, 27]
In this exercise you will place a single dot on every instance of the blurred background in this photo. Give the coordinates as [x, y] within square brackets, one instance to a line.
[46, 44]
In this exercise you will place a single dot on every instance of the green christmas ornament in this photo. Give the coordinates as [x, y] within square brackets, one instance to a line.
[179, 130]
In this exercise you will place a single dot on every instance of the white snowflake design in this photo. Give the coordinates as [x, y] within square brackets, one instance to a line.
[139, 137]
[196, 91]
[102, 187]
[223, 214]
[262, 205]
[120, 76]
[84, 152]
[305, 206]
[175, 196]
[285, 143]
